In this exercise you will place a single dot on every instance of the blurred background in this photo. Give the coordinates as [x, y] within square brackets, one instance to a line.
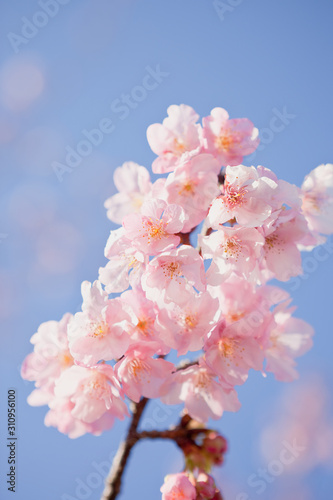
[70, 66]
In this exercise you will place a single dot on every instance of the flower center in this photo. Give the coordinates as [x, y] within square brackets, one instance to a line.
[96, 387]
[155, 229]
[145, 325]
[232, 316]
[202, 380]
[232, 248]
[224, 142]
[178, 495]
[188, 188]
[312, 202]
[273, 242]
[226, 347]
[230, 347]
[171, 269]
[137, 368]
[235, 198]
[100, 330]
[66, 360]
[178, 147]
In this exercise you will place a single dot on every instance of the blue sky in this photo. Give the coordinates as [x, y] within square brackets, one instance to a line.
[259, 59]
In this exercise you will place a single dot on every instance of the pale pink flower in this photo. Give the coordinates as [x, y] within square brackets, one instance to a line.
[143, 327]
[179, 134]
[203, 395]
[248, 308]
[154, 228]
[317, 195]
[94, 392]
[60, 416]
[229, 140]
[285, 195]
[281, 256]
[140, 374]
[233, 250]
[126, 263]
[178, 487]
[247, 196]
[193, 185]
[101, 330]
[291, 337]
[184, 327]
[231, 356]
[167, 275]
[133, 184]
[48, 360]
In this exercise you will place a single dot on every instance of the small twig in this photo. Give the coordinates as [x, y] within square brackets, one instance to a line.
[186, 364]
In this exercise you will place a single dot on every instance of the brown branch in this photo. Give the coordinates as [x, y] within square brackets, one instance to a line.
[175, 434]
[178, 434]
[184, 238]
[113, 481]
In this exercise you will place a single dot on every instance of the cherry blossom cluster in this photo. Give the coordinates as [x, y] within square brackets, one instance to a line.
[186, 485]
[212, 300]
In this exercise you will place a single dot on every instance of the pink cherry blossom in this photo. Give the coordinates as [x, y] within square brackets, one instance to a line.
[178, 134]
[229, 140]
[153, 230]
[140, 374]
[206, 488]
[291, 337]
[230, 355]
[193, 185]
[167, 275]
[133, 184]
[101, 330]
[247, 197]
[214, 300]
[203, 395]
[184, 327]
[233, 250]
[60, 416]
[317, 195]
[281, 255]
[50, 357]
[143, 327]
[285, 195]
[178, 487]
[126, 263]
[94, 392]
[247, 307]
